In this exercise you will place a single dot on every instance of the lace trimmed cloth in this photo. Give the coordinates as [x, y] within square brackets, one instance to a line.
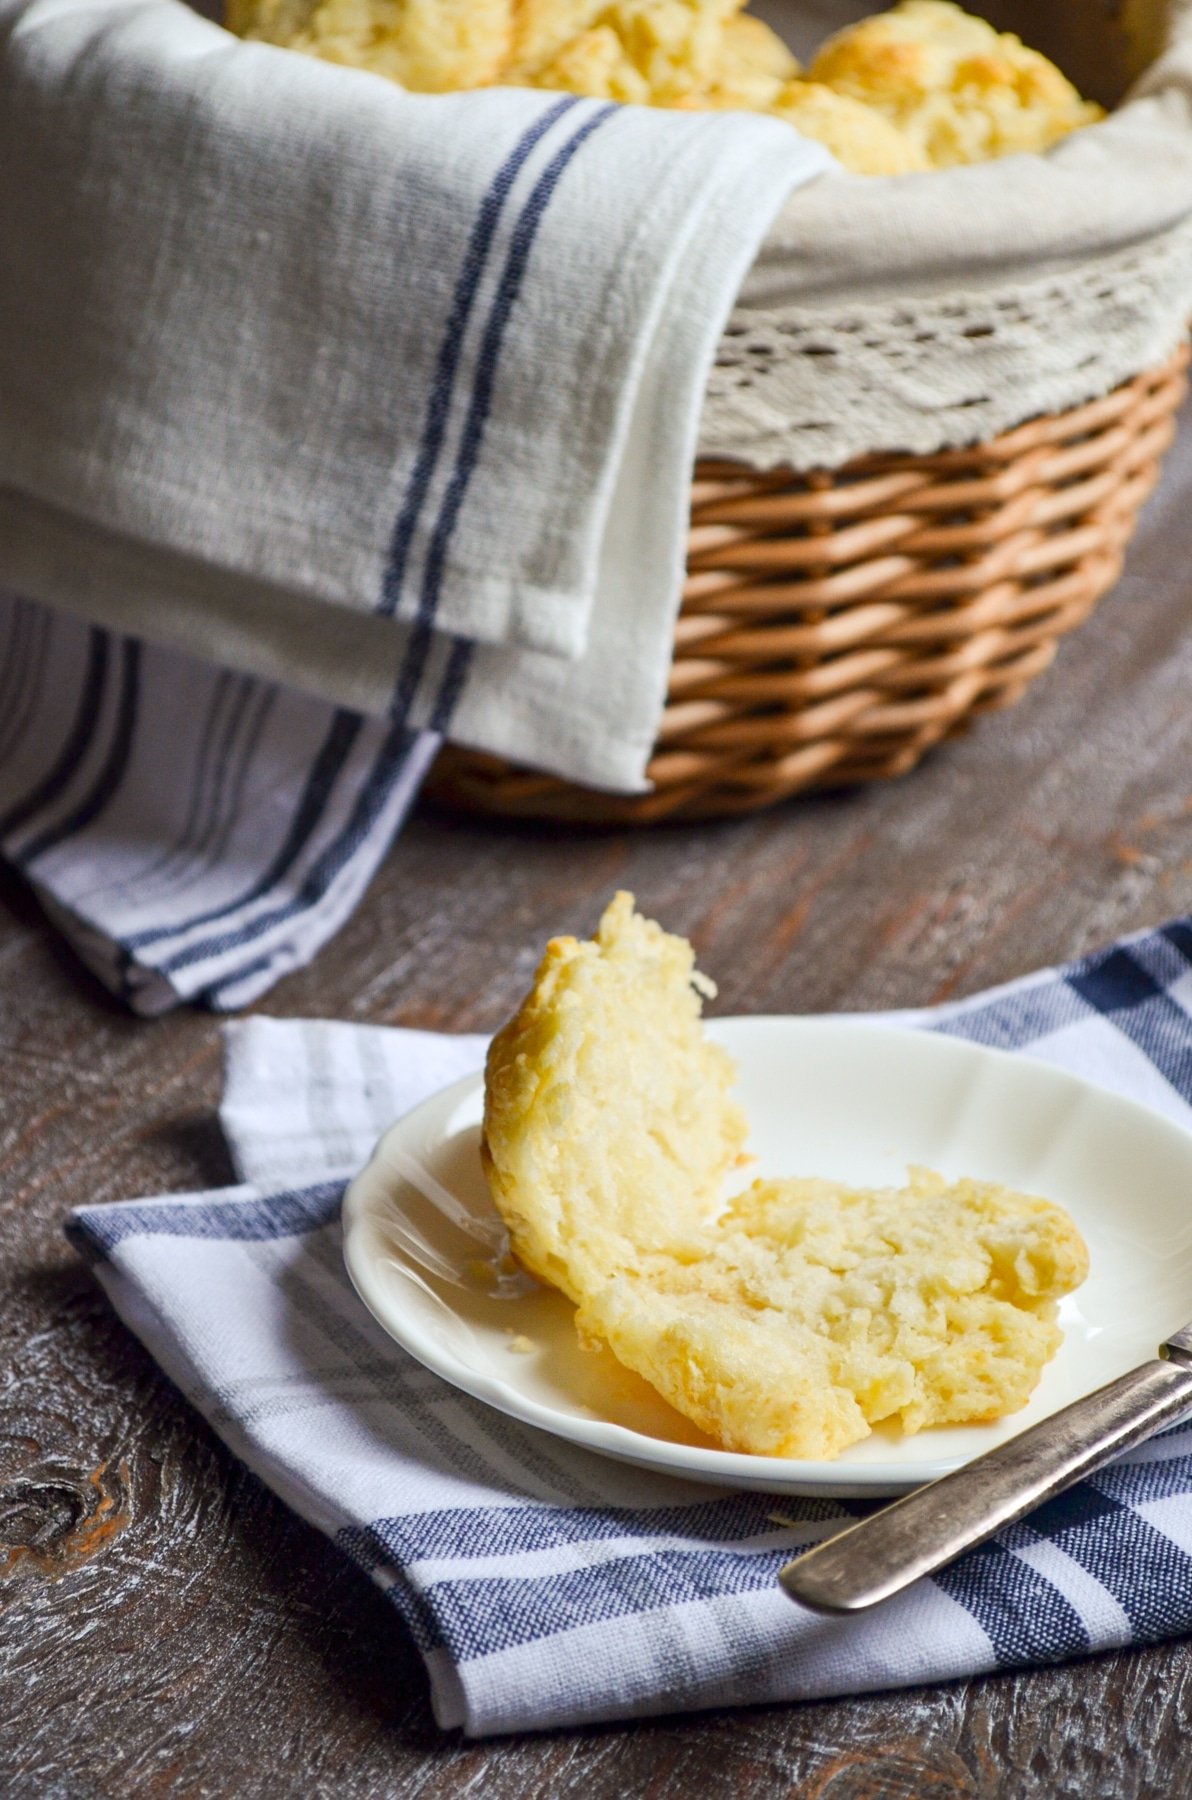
[924, 312]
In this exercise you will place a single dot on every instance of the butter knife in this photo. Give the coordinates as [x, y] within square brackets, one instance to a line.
[881, 1555]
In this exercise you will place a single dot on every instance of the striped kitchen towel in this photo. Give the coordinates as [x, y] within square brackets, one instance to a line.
[334, 419]
[389, 397]
[196, 834]
[544, 1585]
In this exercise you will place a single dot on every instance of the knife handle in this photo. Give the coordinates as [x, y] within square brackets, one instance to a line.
[884, 1553]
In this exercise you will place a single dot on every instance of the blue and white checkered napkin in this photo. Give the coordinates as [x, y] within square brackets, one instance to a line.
[545, 1585]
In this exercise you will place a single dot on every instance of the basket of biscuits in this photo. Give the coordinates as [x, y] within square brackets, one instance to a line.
[946, 388]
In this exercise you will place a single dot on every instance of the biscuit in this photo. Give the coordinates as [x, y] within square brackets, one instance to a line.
[916, 88]
[429, 46]
[751, 67]
[861, 138]
[655, 52]
[608, 1123]
[817, 1311]
[960, 90]
[794, 1318]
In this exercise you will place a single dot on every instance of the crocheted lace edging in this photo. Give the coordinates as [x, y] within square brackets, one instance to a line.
[801, 388]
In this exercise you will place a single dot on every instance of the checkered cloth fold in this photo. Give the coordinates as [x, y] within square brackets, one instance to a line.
[545, 1585]
[194, 833]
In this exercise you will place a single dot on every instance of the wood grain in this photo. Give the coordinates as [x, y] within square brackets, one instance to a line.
[167, 1629]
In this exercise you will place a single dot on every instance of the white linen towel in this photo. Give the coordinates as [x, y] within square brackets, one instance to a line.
[389, 397]
[546, 1585]
[332, 418]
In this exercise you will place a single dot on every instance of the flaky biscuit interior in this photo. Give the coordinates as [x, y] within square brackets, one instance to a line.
[796, 1316]
[608, 1121]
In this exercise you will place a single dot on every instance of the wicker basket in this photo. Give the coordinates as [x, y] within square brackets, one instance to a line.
[836, 625]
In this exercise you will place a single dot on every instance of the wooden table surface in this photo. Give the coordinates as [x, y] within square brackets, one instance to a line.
[167, 1628]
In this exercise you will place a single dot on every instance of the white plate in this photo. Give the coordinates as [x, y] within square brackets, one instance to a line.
[831, 1097]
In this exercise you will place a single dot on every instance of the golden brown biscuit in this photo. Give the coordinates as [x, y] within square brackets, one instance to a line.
[791, 1320]
[817, 1311]
[861, 138]
[960, 90]
[751, 67]
[608, 1122]
[654, 52]
[919, 87]
[431, 46]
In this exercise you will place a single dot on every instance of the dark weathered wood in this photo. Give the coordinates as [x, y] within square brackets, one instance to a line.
[167, 1628]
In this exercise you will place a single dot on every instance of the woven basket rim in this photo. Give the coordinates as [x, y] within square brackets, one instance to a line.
[836, 626]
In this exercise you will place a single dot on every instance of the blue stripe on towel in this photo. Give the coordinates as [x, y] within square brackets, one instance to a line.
[1148, 1575]
[1013, 1021]
[282, 1215]
[490, 352]
[308, 815]
[451, 687]
[1116, 985]
[483, 1615]
[1024, 1616]
[22, 673]
[78, 741]
[107, 783]
[470, 1531]
[508, 289]
[447, 365]
[1136, 1483]
[1179, 935]
[369, 802]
